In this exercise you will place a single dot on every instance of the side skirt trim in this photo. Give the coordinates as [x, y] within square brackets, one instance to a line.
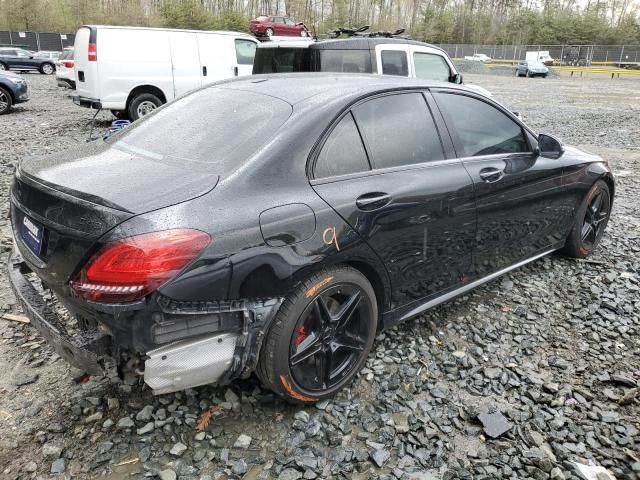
[470, 286]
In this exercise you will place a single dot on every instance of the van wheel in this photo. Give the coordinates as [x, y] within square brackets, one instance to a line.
[143, 104]
[321, 336]
[5, 101]
[47, 68]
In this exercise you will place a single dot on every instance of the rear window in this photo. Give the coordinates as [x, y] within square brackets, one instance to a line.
[282, 60]
[212, 130]
[66, 55]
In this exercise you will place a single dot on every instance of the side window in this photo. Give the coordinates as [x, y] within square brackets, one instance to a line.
[431, 67]
[278, 20]
[245, 51]
[348, 61]
[399, 130]
[394, 62]
[343, 151]
[23, 54]
[288, 21]
[481, 128]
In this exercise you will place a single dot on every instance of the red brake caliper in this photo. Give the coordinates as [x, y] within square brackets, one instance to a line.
[302, 334]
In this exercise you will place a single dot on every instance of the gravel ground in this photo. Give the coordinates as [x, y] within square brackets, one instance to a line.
[548, 356]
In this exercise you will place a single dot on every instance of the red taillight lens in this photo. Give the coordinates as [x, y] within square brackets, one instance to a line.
[131, 268]
[68, 63]
[92, 56]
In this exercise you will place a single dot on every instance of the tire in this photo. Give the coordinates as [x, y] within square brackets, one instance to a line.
[4, 66]
[47, 68]
[6, 101]
[142, 104]
[528, 74]
[268, 32]
[544, 75]
[288, 365]
[303, 33]
[594, 211]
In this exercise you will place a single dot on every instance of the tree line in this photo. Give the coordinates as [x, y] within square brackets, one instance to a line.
[436, 21]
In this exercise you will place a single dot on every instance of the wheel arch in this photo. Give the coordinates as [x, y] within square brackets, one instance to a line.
[152, 89]
[380, 289]
[9, 91]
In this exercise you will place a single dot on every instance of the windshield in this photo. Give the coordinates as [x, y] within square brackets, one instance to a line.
[213, 130]
[536, 64]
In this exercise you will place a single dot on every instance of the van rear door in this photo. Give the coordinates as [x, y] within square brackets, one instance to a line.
[245, 51]
[86, 63]
[186, 62]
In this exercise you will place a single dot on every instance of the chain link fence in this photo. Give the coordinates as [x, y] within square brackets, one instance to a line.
[562, 54]
[37, 40]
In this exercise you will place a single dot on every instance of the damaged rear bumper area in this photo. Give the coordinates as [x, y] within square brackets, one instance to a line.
[216, 351]
[89, 351]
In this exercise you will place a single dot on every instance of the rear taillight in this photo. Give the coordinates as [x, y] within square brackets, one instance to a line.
[129, 269]
[92, 56]
[68, 63]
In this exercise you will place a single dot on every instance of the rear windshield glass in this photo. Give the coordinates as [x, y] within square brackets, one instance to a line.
[66, 55]
[282, 60]
[213, 130]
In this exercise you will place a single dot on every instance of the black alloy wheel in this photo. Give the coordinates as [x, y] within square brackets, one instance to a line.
[329, 338]
[595, 218]
[320, 337]
[591, 221]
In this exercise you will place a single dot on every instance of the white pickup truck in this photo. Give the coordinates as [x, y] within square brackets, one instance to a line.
[478, 57]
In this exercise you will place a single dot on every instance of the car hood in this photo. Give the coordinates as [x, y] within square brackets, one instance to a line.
[10, 74]
[117, 179]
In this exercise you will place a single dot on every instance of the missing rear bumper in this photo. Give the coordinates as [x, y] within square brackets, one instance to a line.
[189, 363]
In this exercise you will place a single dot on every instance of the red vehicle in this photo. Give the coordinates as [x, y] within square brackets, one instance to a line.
[280, 26]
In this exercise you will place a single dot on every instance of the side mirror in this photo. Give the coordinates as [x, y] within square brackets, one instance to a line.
[549, 146]
[456, 78]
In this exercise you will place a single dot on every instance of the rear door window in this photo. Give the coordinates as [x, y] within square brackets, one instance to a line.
[282, 60]
[343, 152]
[394, 62]
[399, 130]
[431, 67]
[481, 129]
[245, 51]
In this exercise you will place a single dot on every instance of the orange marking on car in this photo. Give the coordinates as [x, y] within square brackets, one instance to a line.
[298, 396]
[313, 290]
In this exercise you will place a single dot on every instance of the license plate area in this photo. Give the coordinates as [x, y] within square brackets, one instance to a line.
[31, 233]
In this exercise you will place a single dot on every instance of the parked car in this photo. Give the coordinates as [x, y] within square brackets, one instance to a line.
[377, 55]
[65, 73]
[132, 70]
[13, 89]
[276, 224]
[23, 60]
[268, 26]
[47, 54]
[541, 56]
[479, 57]
[531, 69]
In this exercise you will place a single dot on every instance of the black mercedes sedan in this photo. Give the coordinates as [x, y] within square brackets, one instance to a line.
[274, 224]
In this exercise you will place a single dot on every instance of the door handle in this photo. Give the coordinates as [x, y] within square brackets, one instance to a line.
[204, 71]
[372, 201]
[491, 175]
[235, 71]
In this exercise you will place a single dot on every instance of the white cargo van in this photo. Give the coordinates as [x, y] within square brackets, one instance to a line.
[132, 70]
[541, 56]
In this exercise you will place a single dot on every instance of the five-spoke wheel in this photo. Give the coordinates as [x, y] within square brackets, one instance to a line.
[321, 336]
[590, 222]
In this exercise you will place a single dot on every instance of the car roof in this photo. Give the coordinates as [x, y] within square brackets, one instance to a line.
[295, 88]
[219, 32]
[353, 43]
